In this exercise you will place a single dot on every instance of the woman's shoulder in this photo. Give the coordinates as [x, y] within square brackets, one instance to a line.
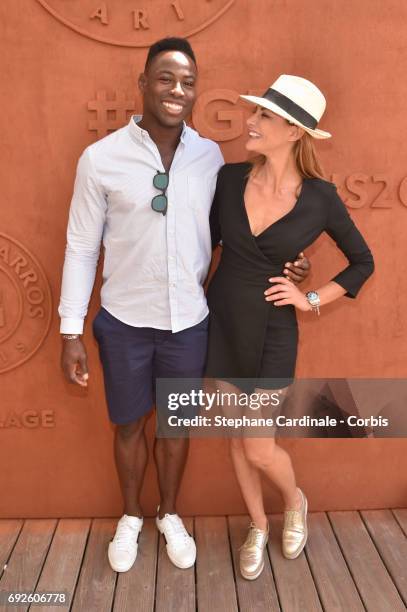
[235, 169]
[323, 191]
[322, 186]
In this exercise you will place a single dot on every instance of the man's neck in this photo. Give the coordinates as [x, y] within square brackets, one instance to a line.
[164, 137]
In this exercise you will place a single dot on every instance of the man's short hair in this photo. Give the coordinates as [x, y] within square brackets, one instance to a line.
[169, 44]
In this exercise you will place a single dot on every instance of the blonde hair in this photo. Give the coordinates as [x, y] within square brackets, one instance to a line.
[305, 156]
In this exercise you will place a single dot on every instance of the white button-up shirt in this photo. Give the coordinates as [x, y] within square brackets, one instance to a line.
[154, 265]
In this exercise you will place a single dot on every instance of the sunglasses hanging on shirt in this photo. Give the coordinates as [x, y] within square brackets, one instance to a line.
[160, 202]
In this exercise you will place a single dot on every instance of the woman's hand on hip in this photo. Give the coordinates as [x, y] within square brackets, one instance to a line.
[285, 292]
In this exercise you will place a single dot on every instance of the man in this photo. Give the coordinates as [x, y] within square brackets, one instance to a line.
[146, 190]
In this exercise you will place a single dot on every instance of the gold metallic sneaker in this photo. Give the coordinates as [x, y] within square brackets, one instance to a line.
[252, 552]
[295, 531]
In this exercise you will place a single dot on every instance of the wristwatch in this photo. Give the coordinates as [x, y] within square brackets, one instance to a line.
[313, 300]
[70, 336]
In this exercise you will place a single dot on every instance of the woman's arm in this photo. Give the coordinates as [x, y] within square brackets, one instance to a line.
[341, 228]
[284, 292]
[214, 216]
[214, 222]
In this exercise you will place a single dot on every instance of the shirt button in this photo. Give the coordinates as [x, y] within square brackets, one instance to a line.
[172, 284]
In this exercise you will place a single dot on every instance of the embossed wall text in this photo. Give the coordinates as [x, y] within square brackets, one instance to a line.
[104, 106]
[136, 24]
[25, 304]
[218, 114]
[28, 419]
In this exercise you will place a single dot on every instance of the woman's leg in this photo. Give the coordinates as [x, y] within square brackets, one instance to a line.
[265, 455]
[247, 475]
[249, 481]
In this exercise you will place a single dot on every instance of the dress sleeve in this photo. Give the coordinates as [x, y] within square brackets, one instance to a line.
[350, 241]
[214, 220]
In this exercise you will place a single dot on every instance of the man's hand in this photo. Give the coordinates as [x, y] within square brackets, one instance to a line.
[74, 362]
[299, 270]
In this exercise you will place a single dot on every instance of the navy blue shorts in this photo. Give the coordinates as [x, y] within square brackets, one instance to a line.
[133, 357]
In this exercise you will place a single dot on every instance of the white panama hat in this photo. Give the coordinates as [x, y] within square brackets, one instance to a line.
[297, 100]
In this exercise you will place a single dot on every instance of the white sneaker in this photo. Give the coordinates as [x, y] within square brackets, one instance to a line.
[122, 550]
[181, 547]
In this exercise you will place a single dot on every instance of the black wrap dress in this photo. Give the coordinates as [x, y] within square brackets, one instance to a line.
[249, 337]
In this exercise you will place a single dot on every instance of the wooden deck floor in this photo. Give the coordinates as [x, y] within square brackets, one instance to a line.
[353, 561]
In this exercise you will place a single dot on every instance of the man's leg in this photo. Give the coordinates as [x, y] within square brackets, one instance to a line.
[178, 356]
[170, 456]
[131, 455]
[181, 355]
[127, 357]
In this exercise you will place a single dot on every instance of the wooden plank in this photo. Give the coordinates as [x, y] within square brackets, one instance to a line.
[334, 583]
[27, 558]
[175, 587]
[63, 563]
[401, 517]
[135, 589]
[295, 586]
[97, 580]
[215, 581]
[391, 543]
[9, 532]
[370, 575]
[259, 594]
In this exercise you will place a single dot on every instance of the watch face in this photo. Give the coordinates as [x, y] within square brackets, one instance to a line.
[312, 295]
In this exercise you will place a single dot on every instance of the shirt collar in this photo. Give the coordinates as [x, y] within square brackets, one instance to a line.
[141, 135]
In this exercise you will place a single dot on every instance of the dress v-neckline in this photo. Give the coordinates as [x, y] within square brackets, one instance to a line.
[287, 214]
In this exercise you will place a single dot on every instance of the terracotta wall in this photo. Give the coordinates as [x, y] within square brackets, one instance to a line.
[69, 74]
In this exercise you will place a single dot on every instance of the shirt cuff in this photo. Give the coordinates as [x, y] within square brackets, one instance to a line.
[71, 326]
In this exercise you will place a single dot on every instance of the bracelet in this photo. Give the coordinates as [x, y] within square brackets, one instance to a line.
[70, 336]
[313, 300]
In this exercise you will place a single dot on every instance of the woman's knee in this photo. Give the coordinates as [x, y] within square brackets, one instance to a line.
[259, 453]
[236, 446]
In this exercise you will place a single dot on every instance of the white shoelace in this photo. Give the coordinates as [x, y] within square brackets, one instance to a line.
[175, 532]
[126, 537]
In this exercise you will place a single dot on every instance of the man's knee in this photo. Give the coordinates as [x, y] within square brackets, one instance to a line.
[174, 444]
[131, 430]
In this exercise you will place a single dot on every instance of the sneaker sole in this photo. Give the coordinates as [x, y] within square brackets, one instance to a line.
[118, 568]
[176, 563]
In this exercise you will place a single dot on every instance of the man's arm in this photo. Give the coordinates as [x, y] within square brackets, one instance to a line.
[85, 228]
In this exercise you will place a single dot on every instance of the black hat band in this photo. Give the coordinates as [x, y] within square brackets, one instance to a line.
[291, 108]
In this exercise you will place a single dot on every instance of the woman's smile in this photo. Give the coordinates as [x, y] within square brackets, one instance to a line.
[253, 134]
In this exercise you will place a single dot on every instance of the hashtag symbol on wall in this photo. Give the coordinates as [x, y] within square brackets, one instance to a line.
[111, 114]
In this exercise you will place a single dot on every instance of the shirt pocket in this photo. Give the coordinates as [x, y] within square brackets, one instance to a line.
[198, 193]
[193, 192]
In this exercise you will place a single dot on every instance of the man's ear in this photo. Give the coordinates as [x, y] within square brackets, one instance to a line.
[142, 81]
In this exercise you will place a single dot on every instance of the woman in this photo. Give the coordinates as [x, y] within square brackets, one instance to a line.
[265, 212]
